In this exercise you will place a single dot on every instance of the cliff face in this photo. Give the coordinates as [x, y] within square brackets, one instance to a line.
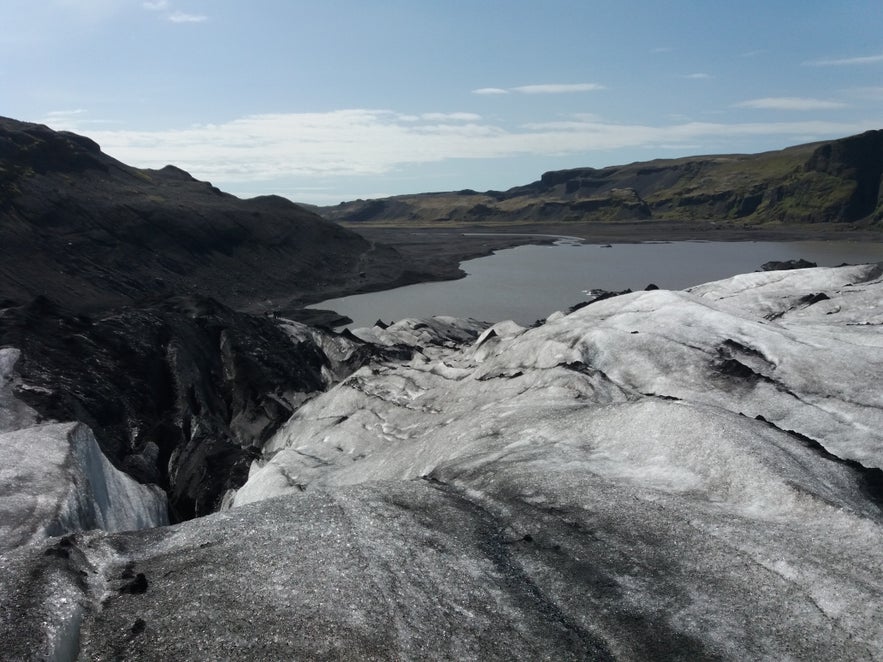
[831, 182]
[857, 162]
[80, 227]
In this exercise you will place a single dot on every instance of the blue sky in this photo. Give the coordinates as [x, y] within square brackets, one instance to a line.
[343, 99]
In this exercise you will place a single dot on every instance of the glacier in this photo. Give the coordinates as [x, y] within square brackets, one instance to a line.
[55, 480]
[656, 475]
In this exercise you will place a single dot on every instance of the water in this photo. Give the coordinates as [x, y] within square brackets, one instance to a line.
[531, 282]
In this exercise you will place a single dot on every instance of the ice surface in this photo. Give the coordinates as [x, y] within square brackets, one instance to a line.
[338, 349]
[639, 412]
[806, 376]
[424, 334]
[55, 480]
[598, 487]
[14, 414]
[519, 565]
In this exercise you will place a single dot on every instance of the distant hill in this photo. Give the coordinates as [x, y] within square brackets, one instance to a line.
[827, 182]
[81, 227]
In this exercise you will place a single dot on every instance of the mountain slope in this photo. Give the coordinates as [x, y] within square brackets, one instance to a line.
[79, 226]
[832, 182]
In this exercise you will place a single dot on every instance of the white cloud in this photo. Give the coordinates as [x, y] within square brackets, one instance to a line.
[176, 16]
[64, 114]
[790, 103]
[557, 88]
[698, 76]
[546, 88]
[181, 17]
[867, 59]
[586, 117]
[358, 142]
[450, 117]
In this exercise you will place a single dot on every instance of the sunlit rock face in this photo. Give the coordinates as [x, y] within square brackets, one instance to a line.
[659, 475]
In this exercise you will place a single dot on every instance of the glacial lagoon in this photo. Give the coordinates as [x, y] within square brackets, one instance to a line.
[530, 282]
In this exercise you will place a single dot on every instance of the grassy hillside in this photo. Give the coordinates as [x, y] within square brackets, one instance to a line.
[827, 182]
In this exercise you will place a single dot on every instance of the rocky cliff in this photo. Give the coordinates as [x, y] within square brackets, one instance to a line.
[834, 182]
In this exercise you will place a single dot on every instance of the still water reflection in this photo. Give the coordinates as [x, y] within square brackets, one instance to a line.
[530, 282]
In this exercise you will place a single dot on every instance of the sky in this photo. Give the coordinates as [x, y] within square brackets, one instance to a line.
[337, 100]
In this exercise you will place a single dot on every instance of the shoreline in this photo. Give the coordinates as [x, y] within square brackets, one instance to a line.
[436, 252]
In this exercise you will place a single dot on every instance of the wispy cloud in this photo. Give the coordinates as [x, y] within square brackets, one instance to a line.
[450, 117]
[176, 16]
[698, 76]
[866, 59]
[790, 103]
[545, 88]
[359, 142]
[182, 17]
[60, 115]
[74, 120]
[662, 49]
[557, 88]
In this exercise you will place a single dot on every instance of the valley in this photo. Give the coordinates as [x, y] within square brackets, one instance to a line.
[196, 467]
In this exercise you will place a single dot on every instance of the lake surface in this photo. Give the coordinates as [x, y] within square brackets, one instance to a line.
[528, 283]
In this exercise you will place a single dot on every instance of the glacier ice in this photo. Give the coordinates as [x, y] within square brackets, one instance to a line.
[658, 475]
[55, 480]
[14, 413]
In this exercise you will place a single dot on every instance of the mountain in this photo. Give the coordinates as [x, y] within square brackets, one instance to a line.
[81, 227]
[656, 475]
[837, 182]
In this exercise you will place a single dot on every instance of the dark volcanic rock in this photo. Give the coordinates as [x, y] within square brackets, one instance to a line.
[596, 296]
[181, 393]
[859, 160]
[787, 264]
[80, 227]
